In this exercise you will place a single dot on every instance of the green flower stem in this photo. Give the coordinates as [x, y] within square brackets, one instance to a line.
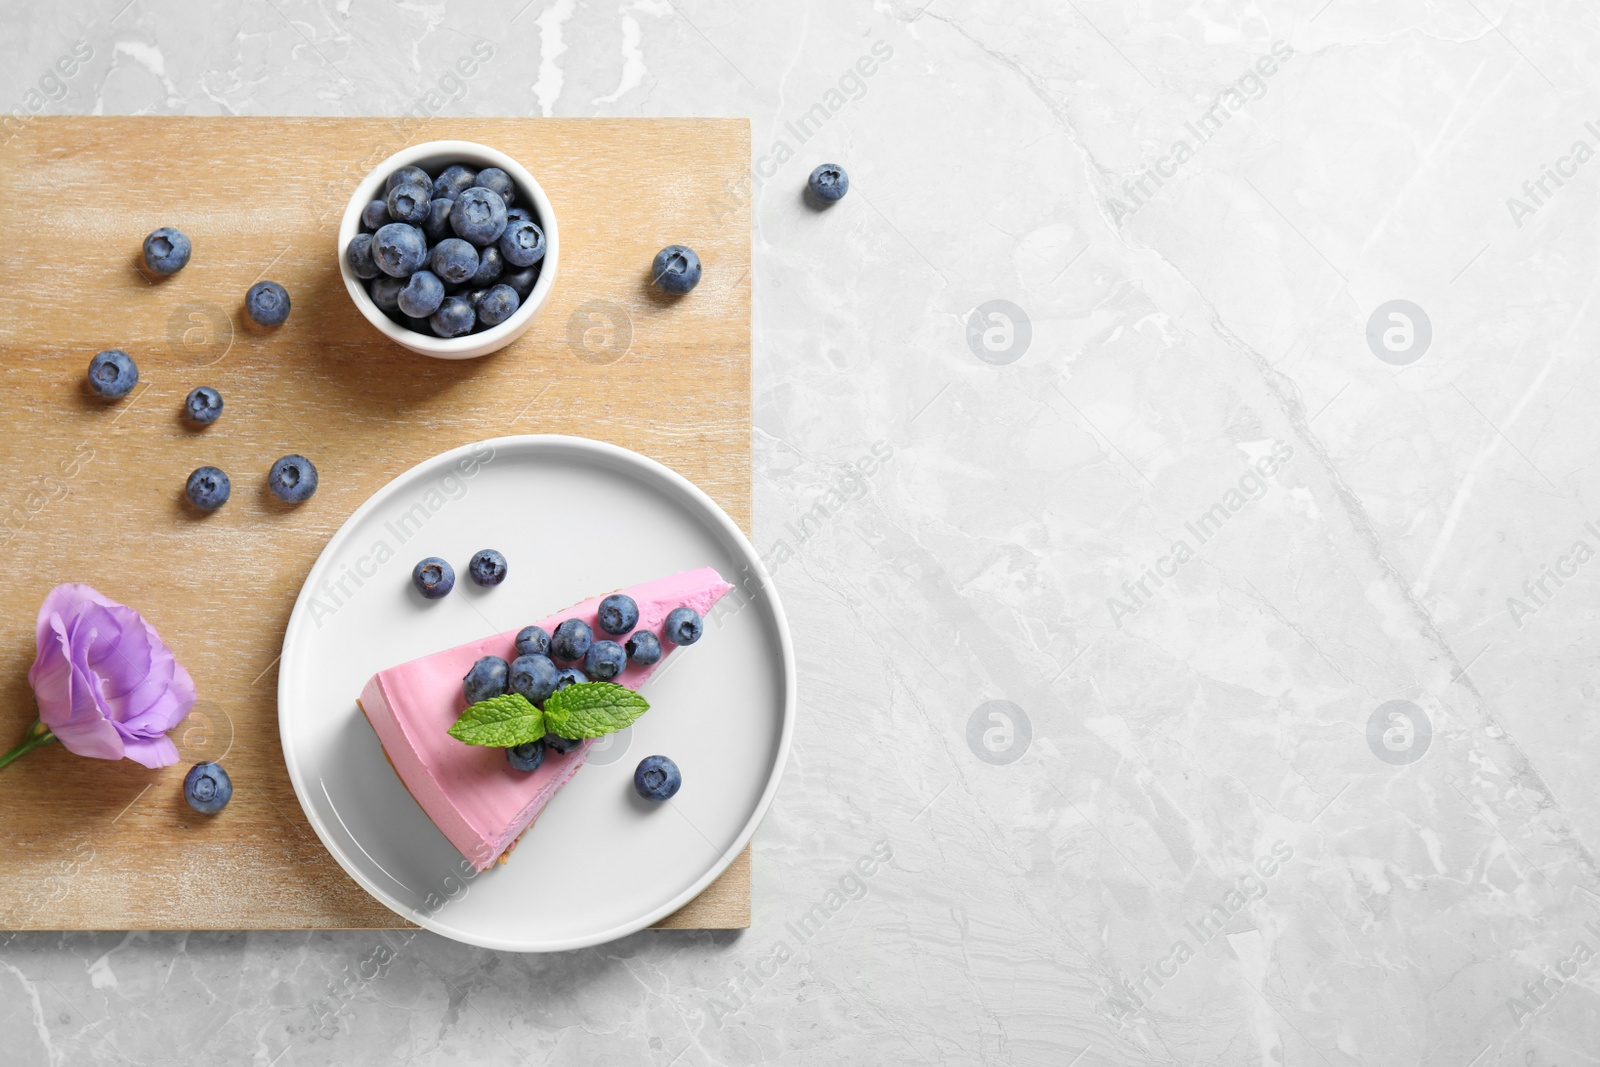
[38, 736]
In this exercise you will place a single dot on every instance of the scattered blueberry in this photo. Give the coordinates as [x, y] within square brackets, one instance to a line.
[571, 640]
[479, 216]
[676, 269]
[208, 488]
[407, 176]
[358, 254]
[422, 295]
[410, 203]
[433, 577]
[203, 405]
[375, 215]
[828, 183]
[657, 778]
[112, 374]
[491, 264]
[522, 243]
[487, 567]
[292, 479]
[386, 292]
[497, 304]
[207, 788]
[454, 317]
[436, 227]
[499, 181]
[513, 214]
[561, 744]
[643, 648]
[166, 250]
[454, 260]
[523, 281]
[399, 249]
[454, 181]
[527, 757]
[683, 626]
[267, 303]
[531, 640]
[535, 677]
[489, 677]
[618, 613]
[605, 661]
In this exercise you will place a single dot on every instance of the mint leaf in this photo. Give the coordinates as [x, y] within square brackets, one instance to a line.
[500, 722]
[591, 709]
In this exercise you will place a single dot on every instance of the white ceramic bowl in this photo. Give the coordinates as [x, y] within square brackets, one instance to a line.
[432, 156]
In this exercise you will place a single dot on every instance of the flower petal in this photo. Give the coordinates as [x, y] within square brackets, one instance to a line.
[156, 751]
[68, 702]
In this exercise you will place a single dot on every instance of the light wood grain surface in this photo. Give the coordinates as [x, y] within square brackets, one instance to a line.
[92, 492]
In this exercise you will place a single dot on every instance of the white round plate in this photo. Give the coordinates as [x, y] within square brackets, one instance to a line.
[575, 519]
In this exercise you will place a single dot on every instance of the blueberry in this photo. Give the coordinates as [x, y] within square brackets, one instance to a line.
[208, 488]
[423, 294]
[207, 788]
[489, 677]
[676, 269]
[410, 203]
[532, 639]
[571, 640]
[828, 183]
[292, 479]
[643, 648]
[267, 303]
[515, 213]
[422, 326]
[166, 250]
[561, 744]
[605, 661]
[499, 181]
[526, 757]
[399, 249]
[375, 215]
[454, 317]
[479, 216]
[112, 374]
[436, 227]
[523, 281]
[407, 176]
[535, 677]
[433, 577]
[358, 254]
[487, 567]
[454, 260]
[491, 264]
[522, 243]
[454, 181]
[385, 292]
[657, 778]
[203, 405]
[683, 626]
[497, 305]
[475, 297]
[618, 613]
[570, 676]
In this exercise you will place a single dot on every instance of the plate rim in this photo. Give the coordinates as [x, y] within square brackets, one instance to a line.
[625, 458]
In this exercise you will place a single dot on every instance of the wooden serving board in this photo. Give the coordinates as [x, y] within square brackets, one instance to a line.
[92, 492]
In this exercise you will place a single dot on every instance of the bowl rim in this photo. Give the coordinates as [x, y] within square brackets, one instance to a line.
[472, 344]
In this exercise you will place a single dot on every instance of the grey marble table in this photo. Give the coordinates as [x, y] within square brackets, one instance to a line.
[1174, 460]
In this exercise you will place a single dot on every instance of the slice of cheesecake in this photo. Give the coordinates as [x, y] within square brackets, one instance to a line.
[471, 792]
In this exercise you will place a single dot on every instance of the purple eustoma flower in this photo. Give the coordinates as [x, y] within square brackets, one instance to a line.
[107, 685]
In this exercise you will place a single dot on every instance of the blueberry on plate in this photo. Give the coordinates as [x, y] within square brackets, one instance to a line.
[454, 317]
[436, 227]
[399, 249]
[292, 479]
[535, 676]
[487, 567]
[112, 374]
[676, 269]
[522, 281]
[532, 640]
[208, 488]
[454, 260]
[683, 626]
[411, 203]
[522, 243]
[407, 176]
[828, 183]
[515, 213]
[497, 304]
[489, 677]
[557, 743]
[422, 295]
[375, 215]
[267, 303]
[657, 778]
[166, 250]
[618, 613]
[571, 640]
[479, 216]
[207, 788]
[491, 264]
[605, 660]
[498, 180]
[453, 181]
[385, 292]
[203, 405]
[526, 757]
[643, 648]
[358, 254]
[433, 577]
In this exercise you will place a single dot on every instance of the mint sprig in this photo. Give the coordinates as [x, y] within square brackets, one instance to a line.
[592, 709]
[500, 722]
